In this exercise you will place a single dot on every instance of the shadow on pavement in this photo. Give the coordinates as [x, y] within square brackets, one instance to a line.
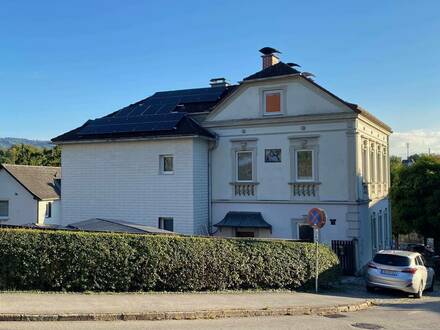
[397, 300]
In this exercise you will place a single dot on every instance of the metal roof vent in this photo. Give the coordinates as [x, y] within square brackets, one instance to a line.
[308, 75]
[218, 82]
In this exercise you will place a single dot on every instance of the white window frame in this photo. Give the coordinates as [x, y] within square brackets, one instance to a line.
[5, 217]
[312, 179]
[162, 164]
[237, 164]
[273, 91]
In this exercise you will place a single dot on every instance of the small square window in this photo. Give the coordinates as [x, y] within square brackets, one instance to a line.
[166, 223]
[167, 164]
[272, 102]
[4, 209]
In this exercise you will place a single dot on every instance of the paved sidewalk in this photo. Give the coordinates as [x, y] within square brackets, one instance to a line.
[151, 306]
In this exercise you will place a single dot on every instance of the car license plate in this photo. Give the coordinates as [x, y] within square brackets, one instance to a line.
[388, 272]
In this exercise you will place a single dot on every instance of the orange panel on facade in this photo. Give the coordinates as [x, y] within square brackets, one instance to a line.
[273, 102]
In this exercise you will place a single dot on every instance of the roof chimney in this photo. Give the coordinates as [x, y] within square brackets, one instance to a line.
[269, 57]
[218, 82]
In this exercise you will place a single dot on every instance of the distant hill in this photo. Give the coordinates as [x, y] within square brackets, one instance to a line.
[9, 142]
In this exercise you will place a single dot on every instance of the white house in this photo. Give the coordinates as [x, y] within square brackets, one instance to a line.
[29, 194]
[236, 160]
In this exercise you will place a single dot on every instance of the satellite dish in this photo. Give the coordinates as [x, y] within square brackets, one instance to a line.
[293, 64]
[307, 74]
[269, 50]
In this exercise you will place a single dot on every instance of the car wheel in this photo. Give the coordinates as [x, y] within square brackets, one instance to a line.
[419, 293]
[431, 288]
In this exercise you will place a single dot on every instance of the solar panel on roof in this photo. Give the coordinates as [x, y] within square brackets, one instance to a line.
[147, 107]
[138, 124]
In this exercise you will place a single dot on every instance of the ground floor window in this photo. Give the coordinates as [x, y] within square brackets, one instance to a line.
[166, 223]
[380, 230]
[4, 209]
[373, 232]
[387, 228]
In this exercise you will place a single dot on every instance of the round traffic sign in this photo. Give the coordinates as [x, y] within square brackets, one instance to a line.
[316, 217]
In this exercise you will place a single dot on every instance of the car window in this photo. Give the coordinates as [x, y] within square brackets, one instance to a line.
[421, 263]
[391, 260]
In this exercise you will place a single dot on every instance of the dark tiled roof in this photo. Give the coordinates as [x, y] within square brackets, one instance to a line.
[243, 220]
[112, 225]
[162, 114]
[279, 69]
[38, 180]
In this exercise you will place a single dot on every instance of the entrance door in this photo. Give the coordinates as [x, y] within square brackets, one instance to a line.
[244, 234]
[305, 232]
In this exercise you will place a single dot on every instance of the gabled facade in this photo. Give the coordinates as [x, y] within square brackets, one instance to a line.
[29, 194]
[243, 160]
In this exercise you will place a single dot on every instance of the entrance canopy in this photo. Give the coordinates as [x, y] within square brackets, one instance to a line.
[244, 220]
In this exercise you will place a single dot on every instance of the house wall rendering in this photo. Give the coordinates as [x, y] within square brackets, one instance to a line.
[125, 181]
[22, 207]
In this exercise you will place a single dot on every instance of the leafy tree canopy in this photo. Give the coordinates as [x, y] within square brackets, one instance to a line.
[415, 196]
[24, 154]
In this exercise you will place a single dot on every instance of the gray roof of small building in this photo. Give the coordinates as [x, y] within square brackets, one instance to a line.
[243, 220]
[38, 180]
[113, 225]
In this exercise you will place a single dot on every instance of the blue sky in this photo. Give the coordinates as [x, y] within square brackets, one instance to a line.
[65, 62]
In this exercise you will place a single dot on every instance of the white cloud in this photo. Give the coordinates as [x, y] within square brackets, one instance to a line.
[420, 141]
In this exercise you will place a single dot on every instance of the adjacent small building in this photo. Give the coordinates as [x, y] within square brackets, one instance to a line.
[29, 194]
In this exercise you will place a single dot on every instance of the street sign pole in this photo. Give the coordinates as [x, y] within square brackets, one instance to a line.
[316, 232]
[316, 218]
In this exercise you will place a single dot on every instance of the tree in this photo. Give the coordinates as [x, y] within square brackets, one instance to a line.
[415, 198]
[24, 154]
[400, 225]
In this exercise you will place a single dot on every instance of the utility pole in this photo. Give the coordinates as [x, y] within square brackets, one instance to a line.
[407, 150]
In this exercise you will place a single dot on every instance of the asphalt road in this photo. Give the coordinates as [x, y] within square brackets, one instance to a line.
[393, 314]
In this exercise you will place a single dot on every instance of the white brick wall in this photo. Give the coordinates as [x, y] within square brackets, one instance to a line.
[121, 180]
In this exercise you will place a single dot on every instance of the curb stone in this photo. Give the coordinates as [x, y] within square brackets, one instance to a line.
[189, 315]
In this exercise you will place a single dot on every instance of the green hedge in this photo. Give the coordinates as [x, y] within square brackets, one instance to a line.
[79, 261]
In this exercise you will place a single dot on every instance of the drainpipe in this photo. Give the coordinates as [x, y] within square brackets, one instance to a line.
[211, 146]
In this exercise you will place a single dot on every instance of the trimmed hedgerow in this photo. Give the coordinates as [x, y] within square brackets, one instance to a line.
[80, 261]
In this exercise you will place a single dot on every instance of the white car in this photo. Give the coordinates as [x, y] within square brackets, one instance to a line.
[400, 270]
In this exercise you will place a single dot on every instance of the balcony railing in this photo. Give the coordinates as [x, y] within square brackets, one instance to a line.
[305, 189]
[245, 189]
[374, 190]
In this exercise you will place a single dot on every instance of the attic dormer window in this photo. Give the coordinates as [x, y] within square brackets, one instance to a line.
[273, 102]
